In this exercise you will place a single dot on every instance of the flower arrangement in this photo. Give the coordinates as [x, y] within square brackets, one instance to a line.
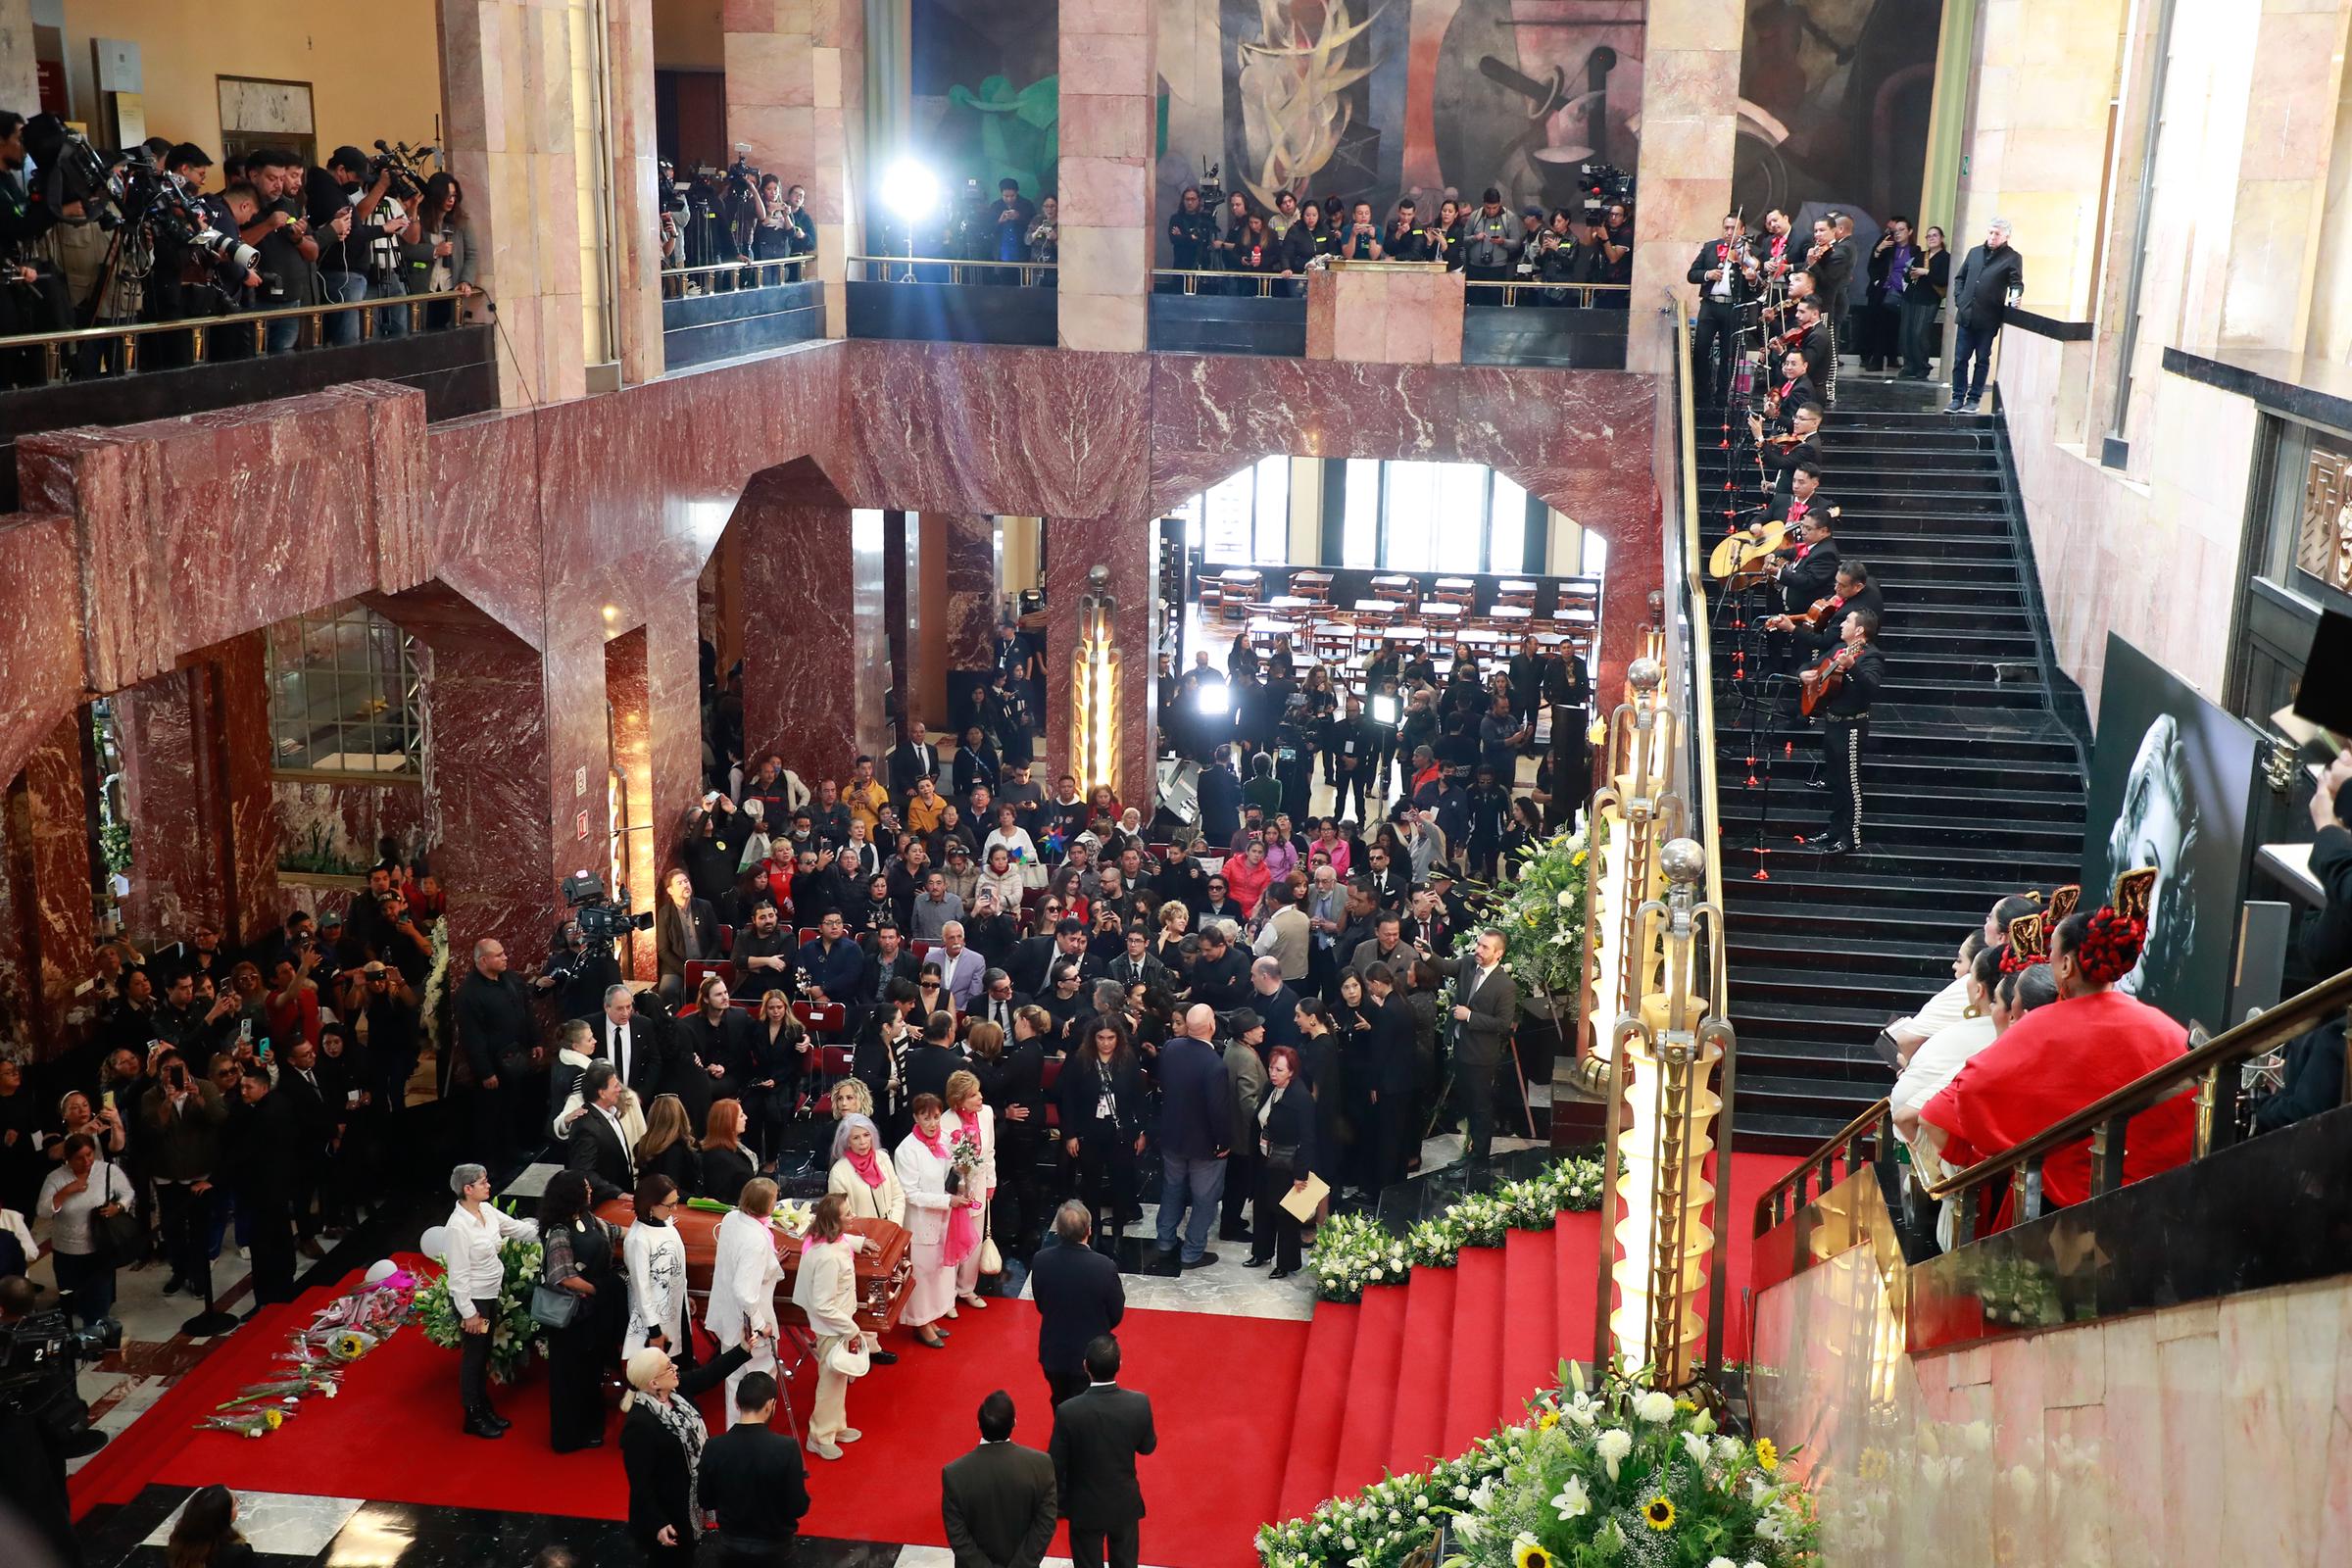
[1352, 1251]
[514, 1332]
[1540, 913]
[1595, 1478]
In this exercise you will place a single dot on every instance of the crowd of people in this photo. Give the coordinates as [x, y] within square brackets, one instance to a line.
[741, 215]
[1486, 242]
[263, 232]
[218, 1098]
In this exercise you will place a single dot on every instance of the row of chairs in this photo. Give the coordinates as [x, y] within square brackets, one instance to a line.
[1237, 591]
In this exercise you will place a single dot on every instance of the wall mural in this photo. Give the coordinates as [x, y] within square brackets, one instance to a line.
[985, 94]
[1834, 97]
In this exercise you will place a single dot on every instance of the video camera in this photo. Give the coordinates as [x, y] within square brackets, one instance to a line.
[600, 919]
[1604, 185]
[1213, 191]
[39, 1353]
[404, 164]
[151, 202]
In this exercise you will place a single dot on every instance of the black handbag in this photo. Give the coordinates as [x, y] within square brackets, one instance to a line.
[119, 1238]
[553, 1308]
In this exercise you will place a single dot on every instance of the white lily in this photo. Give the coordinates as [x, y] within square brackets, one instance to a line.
[1573, 1501]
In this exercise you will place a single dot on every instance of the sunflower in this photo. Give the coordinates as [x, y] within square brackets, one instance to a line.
[1658, 1513]
[1548, 1420]
[1768, 1457]
[1530, 1555]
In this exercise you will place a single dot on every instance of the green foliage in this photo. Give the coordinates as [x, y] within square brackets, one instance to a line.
[1352, 1251]
[514, 1332]
[1625, 1476]
[1019, 134]
[114, 845]
[1541, 917]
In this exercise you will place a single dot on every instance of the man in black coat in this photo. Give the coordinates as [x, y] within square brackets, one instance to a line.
[913, 758]
[623, 1040]
[1019, 1102]
[301, 1087]
[265, 1154]
[1980, 305]
[1220, 975]
[596, 1146]
[1079, 1299]
[493, 1015]
[999, 1500]
[1098, 1435]
[685, 929]
[1725, 287]
[931, 1063]
[755, 1480]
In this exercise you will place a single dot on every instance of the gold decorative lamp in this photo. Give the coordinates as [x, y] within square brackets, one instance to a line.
[1094, 688]
[1623, 826]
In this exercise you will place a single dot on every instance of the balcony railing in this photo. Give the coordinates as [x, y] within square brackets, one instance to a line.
[118, 344]
[730, 309]
[727, 277]
[946, 299]
[953, 270]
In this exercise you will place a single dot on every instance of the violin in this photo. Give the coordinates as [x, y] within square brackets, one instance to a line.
[1815, 684]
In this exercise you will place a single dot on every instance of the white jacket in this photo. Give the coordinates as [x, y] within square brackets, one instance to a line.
[984, 1176]
[744, 1275]
[924, 1175]
[886, 1202]
[826, 1288]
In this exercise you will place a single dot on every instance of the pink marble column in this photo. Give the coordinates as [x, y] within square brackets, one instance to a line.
[632, 165]
[1690, 124]
[628, 696]
[796, 92]
[970, 562]
[1123, 545]
[195, 749]
[813, 642]
[673, 729]
[46, 901]
[1110, 118]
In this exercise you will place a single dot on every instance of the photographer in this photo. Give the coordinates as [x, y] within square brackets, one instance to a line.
[1360, 241]
[34, 298]
[1192, 230]
[1045, 237]
[180, 1136]
[1491, 242]
[773, 236]
[441, 258]
[1013, 214]
[290, 251]
[189, 281]
[366, 227]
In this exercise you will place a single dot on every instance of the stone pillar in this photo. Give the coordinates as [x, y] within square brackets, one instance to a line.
[2284, 173]
[632, 165]
[626, 693]
[968, 561]
[507, 78]
[811, 580]
[1124, 546]
[1110, 118]
[46, 901]
[796, 92]
[674, 734]
[196, 785]
[1689, 118]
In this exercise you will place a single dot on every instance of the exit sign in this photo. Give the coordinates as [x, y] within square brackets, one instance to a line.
[582, 822]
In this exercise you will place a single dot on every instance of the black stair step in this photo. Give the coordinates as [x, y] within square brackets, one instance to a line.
[1989, 812]
[2051, 760]
[1923, 686]
[1892, 876]
[1773, 1134]
[1743, 815]
[1799, 949]
[1829, 924]
[1849, 996]
[1765, 1094]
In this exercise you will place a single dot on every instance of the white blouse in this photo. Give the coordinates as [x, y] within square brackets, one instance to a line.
[69, 1224]
[655, 1257]
[475, 1275]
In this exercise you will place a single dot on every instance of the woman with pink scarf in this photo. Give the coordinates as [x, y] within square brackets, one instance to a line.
[941, 1225]
[970, 1121]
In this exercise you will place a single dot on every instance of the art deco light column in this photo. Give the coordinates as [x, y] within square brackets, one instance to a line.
[1094, 688]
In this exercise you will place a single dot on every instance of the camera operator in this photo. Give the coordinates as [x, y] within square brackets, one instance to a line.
[281, 231]
[34, 298]
[367, 228]
[33, 1439]
[741, 211]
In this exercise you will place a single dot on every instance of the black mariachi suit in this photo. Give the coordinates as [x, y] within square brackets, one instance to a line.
[1718, 320]
[1846, 723]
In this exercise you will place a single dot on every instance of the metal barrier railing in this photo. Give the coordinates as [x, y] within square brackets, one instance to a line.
[922, 270]
[1272, 285]
[205, 331]
[727, 277]
[2212, 1065]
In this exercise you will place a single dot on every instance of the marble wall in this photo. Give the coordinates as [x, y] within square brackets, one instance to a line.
[513, 545]
[796, 92]
[45, 894]
[1689, 122]
[2155, 561]
[2283, 171]
[1109, 123]
[2180, 1437]
[968, 563]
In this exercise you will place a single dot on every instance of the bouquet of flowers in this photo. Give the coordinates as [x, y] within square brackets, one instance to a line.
[514, 1332]
[1595, 1478]
[793, 1218]
[1541, 917]
[1352, 1251]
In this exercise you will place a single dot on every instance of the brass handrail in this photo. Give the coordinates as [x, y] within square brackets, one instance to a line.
[52, 344]
[2106, 1120]
[1263, 282]
[955, 265]
[738, 267]
[1771, 1205]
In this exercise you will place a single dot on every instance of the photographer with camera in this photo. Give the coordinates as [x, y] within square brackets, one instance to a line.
[281, 231]
[34, 298]
[351, 201]
[180, 1126]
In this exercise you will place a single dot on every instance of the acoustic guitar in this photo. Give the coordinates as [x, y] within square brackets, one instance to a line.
[1739, 560]
[1815, 684]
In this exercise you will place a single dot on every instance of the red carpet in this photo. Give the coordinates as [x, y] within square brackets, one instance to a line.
[393, 1434]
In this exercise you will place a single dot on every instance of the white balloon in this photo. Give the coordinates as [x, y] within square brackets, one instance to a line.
[435, 1243]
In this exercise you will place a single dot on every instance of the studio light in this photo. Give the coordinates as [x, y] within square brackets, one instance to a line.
[911, 192]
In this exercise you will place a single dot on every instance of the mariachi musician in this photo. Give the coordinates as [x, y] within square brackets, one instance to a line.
[1819, 628]
[1841, 687]
[1779, 451]
[1808, 567]
[1793, 388]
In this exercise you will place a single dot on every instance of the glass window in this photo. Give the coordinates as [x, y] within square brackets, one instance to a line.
[1461, 516]
[343, 695]
[1273, 512]
[1227, 532]
[1506, 528]
[1359, 530]
[1410, 507]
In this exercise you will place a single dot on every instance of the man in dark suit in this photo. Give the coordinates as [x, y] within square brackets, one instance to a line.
[891, 960]
[932, 1063]
[501, 1048]
[1019, 1098]
[596, 1146]
[300, 1086]
[263, 1158]
[1725, 287]
[913, 758]
[1486, 1010]
[1078, 1295]
[684, 929]
[999, 1501]
[1031, 964]
[622, 1040]
[1098, 1435]
[996, 1002]
[755, 1480]
[1196, 1132]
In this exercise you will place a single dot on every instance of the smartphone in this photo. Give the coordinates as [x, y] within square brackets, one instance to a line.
[106, 1102]
[179, 1076]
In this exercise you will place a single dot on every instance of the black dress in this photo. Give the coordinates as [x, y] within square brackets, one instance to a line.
[1328, 1078]
[681, 1163]
[577, 1355]
[724, 1171]
[1103, 1114]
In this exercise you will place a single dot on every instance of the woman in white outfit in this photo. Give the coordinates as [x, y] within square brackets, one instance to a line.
[863, 1173]
[653, 1254]
[476, 1276]
[969, 1118]
[826, 1289]
[927, 1175]
[744, 1275]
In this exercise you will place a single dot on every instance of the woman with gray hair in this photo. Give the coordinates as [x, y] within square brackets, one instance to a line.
[477, 1232]
[862, 1172]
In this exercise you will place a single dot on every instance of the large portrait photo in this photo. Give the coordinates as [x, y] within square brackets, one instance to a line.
[2170, 779]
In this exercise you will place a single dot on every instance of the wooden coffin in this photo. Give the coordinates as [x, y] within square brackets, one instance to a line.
[885, 1270]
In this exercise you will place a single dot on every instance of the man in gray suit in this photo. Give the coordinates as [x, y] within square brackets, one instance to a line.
[998, 1501]
[1485, 1010]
